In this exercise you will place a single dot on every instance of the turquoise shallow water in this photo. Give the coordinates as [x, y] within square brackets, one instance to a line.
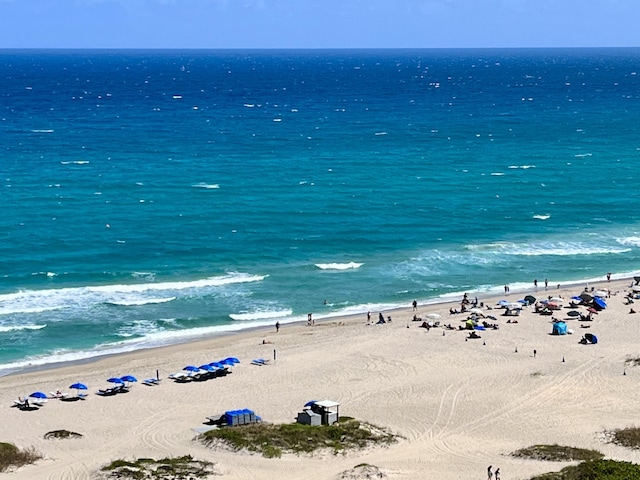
[154, 197]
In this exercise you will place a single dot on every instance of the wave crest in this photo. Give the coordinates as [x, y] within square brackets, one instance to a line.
[339, 266]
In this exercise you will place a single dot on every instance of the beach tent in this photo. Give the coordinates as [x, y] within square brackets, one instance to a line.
[590, 337]
[599, 303]
[559, 328]
[530, 299]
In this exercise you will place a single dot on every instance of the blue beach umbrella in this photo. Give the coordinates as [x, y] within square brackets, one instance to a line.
[190, 368]
[116, 380]
[79, 386]
[310, 402]
[207, 368]
[600, 302]
[233, 360]
[217, 365]
[129, 378]
[38, 395]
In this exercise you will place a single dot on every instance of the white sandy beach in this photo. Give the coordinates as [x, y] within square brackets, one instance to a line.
[460, 405]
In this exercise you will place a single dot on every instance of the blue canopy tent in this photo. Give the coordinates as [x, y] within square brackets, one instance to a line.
[559, 328]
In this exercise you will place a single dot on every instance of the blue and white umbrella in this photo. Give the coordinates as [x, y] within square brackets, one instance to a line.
[79, 386]
[232, 360]
[129, 378]
[39, 395]
[191, 368]
[116, 380]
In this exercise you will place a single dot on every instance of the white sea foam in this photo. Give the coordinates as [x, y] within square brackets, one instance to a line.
[261, 315]
[206, 186]
[14, 328]
[542, 217]
[578, 155]
[547, 248]
[43, 130]
[141, 301]
[339, 266]
[75, 162]
[630, 241]
[36, 301]
[497, 174]
[524, 167]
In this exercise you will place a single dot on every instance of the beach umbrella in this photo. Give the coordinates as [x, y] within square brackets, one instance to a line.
[117, 380]
[191, 368]
[207, 368]
[79, 386]
[573, 313]
[216, 365]
[503, 303]
[476, 310]
[40, 395]
[433, 316]
[233, 360]
[129, 378]
[513, 306]
[227, 362]
[310, 402]
[577, 298]
[592, 310]
[600, 293]
[556, 300]
[636, 288]
[530, 299]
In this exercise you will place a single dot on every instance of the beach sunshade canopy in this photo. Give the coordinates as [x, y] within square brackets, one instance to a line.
[586, 297]
[573, 313]
[190, 368]
[514, 306]
[503, 303]
[592, 310]
[557, 300]
[117, 380]
[530, 299]
[232, 359]
[310, 402]
[129, 378]
[636, 288]
[38, 395]
[600, 293]
[79, 386]
[577, 298]
[434, 316]
[476, 310]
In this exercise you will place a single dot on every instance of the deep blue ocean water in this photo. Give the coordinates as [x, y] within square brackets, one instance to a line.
[151, 197]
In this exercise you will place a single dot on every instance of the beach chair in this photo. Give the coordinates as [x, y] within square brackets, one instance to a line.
[259, 361]
[58, 394]
[151, 382]
[180, 377]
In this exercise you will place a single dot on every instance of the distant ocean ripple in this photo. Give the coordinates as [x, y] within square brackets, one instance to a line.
[155, 197]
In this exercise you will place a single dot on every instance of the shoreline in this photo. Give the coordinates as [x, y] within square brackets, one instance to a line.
[436, 303]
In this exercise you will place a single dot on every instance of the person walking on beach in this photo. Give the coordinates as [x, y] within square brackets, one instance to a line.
[415, 305]
[546, 283]
[609, 277]
[490, 473]
[369, 317]
[277, 327]
[498, 473]
[535, 284]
